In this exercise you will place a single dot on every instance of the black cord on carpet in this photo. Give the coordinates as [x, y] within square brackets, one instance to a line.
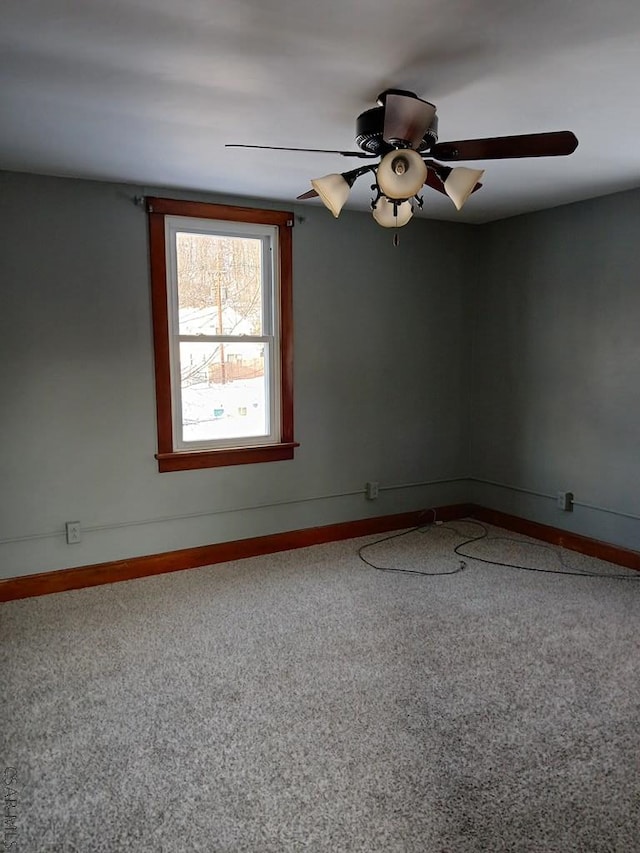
[397, 536]
[485, 535]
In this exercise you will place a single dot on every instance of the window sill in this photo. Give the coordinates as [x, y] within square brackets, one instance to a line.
[187, 460]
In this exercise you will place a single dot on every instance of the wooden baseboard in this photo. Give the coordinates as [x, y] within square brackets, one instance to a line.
[221, 552]
[556, 536]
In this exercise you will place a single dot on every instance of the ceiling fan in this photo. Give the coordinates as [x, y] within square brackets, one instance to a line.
[403, 132]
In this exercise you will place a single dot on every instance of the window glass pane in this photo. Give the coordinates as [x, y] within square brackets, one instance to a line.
[224, 390]
[219, 284]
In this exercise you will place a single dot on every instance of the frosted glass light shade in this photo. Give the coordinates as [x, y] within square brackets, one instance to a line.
[333, 191]
[401, 173]
[384, 215]
[460, 183]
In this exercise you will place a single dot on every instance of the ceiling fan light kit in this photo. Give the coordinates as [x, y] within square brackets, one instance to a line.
[460, 183]
[333, 191]
[392, 214]
[401, 174]
[403, 131]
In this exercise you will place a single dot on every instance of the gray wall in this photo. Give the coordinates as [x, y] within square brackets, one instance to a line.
[381, 384]
[508, 354]
[556, 367]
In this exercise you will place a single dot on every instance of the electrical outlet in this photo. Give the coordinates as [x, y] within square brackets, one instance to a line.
[565, 501]
[73, 532]
[372, 488]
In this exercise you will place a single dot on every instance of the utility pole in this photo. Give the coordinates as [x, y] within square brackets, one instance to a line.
[223, 371]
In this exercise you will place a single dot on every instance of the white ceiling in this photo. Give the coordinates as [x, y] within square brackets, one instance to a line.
[148, 91]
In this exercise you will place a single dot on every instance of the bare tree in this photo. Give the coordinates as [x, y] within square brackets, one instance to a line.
[222, 275]
[218, 271]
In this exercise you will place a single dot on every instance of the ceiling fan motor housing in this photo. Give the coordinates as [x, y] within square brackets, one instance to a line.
[369, 133]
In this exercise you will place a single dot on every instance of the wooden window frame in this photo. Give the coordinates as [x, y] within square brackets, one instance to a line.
[169, 458]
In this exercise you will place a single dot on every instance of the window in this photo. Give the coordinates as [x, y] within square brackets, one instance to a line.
[222, 325]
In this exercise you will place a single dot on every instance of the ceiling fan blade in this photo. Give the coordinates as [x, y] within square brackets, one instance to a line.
[312, 150]
[434, 182]
[555, 144]
[406, 119]
[308, 194]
